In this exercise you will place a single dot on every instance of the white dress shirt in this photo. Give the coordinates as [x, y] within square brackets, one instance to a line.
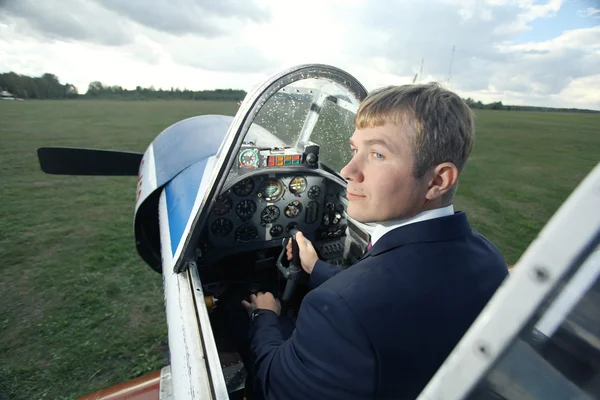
[382, 228]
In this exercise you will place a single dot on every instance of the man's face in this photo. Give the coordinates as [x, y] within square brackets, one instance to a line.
[381, 186]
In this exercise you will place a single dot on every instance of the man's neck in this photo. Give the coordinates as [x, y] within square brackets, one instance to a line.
[381, 228]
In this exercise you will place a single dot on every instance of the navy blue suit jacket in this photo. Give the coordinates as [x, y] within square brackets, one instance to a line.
[382, 327]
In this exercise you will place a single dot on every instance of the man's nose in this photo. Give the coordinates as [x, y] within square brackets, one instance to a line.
[353, 171]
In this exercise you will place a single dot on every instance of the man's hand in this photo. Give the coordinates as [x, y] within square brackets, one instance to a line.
[308, 254]
[264, 301]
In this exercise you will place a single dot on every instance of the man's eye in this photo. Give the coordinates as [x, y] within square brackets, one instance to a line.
[353, 151]
[377, 155]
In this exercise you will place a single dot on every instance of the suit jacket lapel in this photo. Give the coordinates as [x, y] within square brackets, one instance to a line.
[433, 230]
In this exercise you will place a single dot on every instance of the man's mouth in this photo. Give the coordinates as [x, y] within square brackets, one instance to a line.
[350, 195]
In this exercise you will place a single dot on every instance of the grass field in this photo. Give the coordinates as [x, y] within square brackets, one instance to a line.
[80, 311]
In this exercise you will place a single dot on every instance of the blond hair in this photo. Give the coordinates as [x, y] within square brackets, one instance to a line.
[441, 123]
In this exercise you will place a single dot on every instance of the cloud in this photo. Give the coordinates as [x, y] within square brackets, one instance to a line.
[72, 20]
[237, 43]
[578, 94]
[406, 34]
[205, 18]
[224, 54]
[548, 67]
[113, 22]
[485, 58]
[193, 33]
[146, 50]
[590, 12]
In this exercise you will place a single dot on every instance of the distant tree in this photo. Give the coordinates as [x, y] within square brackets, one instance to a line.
[70, 91]
[50, 78]
[95, 88]
[470, 102]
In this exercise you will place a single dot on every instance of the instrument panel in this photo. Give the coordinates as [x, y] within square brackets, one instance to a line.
[251, 157]
[267, 207]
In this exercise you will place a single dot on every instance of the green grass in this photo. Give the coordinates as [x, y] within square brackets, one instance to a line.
[80, 311]
[523, 167]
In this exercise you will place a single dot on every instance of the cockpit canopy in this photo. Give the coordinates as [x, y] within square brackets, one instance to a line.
[300, 119]
[305, 122]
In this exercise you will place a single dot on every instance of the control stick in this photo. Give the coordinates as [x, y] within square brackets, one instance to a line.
[291, 270]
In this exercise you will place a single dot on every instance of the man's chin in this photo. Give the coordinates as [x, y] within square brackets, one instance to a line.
[359, 215]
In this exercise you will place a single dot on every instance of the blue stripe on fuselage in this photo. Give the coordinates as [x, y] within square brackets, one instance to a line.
[187, 142]
[181, 195]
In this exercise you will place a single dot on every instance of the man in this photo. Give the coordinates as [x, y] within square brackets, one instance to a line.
[382, 328]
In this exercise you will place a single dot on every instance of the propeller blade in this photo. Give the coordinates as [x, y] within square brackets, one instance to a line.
[76, 161]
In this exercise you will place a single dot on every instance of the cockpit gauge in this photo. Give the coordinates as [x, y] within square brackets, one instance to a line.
[246, 232]
[332, 218]
[293, 209]
[276, 230]
[248, 158]
[271, 189]
[298, 185]
[222, 206]
[314, 192]
[221, 227]
[269, 215]
[244, 188]
[245, 209]
[337, 217]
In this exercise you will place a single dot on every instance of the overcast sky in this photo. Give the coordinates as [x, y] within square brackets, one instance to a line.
[533, 52]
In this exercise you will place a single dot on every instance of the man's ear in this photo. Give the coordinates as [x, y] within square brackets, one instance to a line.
[443, 178]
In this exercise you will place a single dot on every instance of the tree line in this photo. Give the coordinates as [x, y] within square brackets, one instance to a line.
[45, 87]
[49, 87]
[98, 90]
[497, 105]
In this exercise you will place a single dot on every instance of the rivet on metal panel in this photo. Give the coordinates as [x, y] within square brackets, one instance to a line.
[540, 274]
[483, 350]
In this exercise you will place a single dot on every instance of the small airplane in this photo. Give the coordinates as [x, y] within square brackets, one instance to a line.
[218, 198]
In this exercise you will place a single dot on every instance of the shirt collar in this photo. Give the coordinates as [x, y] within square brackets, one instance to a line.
[382, 228]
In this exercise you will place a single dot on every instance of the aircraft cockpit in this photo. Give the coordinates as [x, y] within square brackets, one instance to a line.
[271, 192]
[282, 177]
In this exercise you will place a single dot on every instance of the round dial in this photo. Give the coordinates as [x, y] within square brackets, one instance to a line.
[244, 188]
[337, 217]
[246, 233]
[314, 192]
[293, 209]
[221, 227]
[248, 158]
[245, 209]
[222, 206]
[276, 230]
[332, 218]
[298, 185]
[269, 215]
[271, 189]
